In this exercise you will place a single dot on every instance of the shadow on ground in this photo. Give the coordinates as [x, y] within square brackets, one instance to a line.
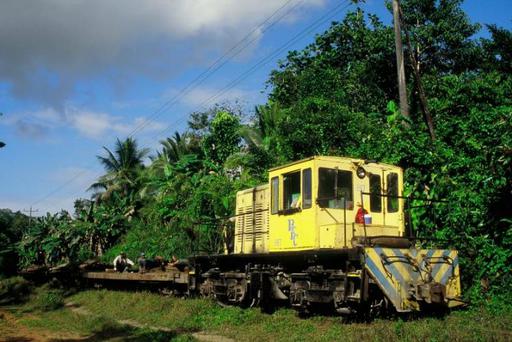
[17, 339]
[110, 332]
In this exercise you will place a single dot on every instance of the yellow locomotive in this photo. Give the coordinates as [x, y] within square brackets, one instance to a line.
[329, 232]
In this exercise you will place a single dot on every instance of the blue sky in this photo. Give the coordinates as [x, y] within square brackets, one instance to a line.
[76, 75]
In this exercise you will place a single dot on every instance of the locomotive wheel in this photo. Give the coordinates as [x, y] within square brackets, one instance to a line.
[378, 305]
[206, 290]
[222, 302]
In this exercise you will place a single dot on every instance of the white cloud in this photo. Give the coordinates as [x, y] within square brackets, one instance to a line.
[48, 46]
[91, 124]
[32, 130]
[97, 124]
[47, 114]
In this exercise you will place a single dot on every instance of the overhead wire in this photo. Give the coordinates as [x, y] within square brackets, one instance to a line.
[320, 21]
[234, 51]
[219, 63]
[331, 13]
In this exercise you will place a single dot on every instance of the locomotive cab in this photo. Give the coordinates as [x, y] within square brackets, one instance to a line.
[315, 203]
[320, 203]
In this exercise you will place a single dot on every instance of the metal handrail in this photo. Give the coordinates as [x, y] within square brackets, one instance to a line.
[364, 221]
[344, 219]
[411, 198]
[407, 207]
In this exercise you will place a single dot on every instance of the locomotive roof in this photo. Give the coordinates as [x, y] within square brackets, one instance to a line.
[333, 159]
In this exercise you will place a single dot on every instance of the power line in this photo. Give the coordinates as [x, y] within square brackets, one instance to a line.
[331, 13]
[59, 188]
[219, 63]
[214, 67]
[265, 60]
[64, 185]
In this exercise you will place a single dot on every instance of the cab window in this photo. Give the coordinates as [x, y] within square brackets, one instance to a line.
[375, 194]
[335, 189]
[392, 199]
[291, 190]
[306, 189]
[274, 189]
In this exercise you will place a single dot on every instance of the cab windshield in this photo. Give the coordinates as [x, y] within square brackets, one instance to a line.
[335, 189]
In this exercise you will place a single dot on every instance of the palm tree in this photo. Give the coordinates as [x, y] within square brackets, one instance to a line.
[266, 126]
[122, 166]
[179, 149]
[177, 146]
[258, 138]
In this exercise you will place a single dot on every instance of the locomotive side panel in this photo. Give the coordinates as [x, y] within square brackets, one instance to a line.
[251, 220]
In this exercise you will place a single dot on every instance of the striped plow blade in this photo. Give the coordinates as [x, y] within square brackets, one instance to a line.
[411, 277]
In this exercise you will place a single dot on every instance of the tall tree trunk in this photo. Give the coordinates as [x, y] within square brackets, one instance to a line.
[419, 84]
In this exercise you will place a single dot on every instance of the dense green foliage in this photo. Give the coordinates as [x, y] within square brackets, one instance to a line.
[337, 96]
[12, 226]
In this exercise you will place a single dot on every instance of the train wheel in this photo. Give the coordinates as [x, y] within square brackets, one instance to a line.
[378, 305]
[207, 289]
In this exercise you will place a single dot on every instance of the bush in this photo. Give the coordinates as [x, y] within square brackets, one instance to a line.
[153, 239]
[47, 299]
[14, 290]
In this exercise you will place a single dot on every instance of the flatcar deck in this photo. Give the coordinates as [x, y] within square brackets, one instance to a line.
[172, 276]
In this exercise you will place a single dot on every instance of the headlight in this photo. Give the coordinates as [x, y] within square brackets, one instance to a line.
[361, 172]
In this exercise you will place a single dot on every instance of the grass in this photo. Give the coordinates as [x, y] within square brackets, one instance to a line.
[191, 315]
[108, 312]
[45, 299]
[41, 316]
[65, 325]
[94, 328]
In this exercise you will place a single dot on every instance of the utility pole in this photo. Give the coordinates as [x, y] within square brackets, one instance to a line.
[400, 66]
[30, 211]
[419, 84]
